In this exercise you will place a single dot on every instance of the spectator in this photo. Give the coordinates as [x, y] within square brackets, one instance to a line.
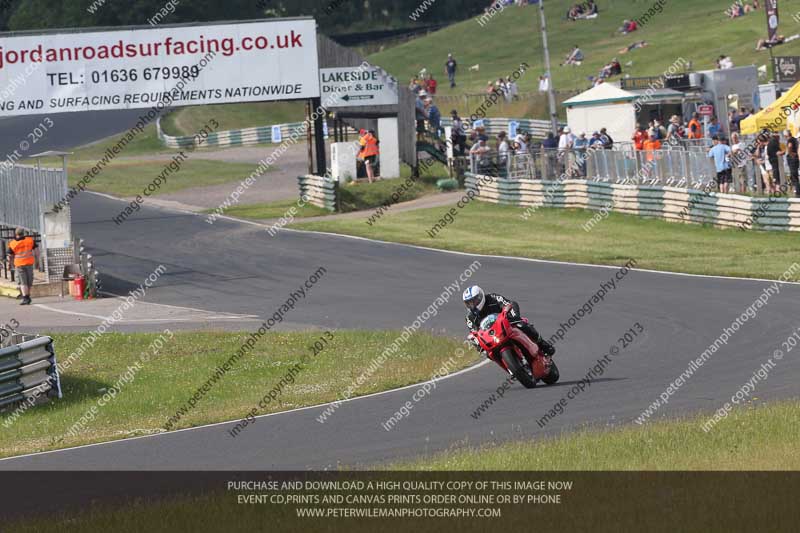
[434, 117]
[639, 136]
[566, 143]
[574, 58]
[733, 124]
[479, 154]
[544, 84]
[458, 134]
[581, 145]
[431, 85]
[550, 142]
[25, 251]
[724, 63]
[608, 142]
[774, 154]
[450, 68]
[764, 44]
[595, 139]
[793, 159]
[695, 128]
[736, 123]
[575, 12]
[674, 131]
[634, 46]
[628, 26]
[421, 114]
[739, 159]
[513, 88]
[736, 10]
[720, 153]
[502, 149]
[651, 144]
[714, 129]
[661, 131]
[521, 144]
[763, 163]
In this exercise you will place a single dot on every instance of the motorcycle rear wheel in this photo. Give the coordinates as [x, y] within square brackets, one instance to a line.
[513, 364]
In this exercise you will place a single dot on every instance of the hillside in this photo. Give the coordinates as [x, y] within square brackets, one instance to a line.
[696, 31]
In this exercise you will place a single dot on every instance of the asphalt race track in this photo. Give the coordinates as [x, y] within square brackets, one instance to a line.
[67, 130]
[238, 268]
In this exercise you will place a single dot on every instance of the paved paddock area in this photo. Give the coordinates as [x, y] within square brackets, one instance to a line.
[65, 314]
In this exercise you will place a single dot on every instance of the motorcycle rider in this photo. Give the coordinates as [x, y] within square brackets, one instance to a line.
[480, 305]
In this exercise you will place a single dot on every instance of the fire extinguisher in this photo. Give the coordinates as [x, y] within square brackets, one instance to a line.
[80, 286]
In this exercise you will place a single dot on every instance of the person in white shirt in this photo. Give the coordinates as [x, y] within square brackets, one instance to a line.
[502, 152]
[565, 144]
[739, 160]
[544, 84]
[520, 146]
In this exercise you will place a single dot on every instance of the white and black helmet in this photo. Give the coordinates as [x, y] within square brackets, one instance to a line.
[474, 298]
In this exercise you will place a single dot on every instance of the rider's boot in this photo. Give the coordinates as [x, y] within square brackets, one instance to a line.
[547, 348]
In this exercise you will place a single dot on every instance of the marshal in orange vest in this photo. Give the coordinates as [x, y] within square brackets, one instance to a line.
[23, 251]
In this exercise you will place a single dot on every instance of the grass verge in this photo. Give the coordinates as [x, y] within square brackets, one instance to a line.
[270, 210]
[360, 197]
[187, 361]
[189, 120]
[750, 438]
[130, 177]
[557, 234]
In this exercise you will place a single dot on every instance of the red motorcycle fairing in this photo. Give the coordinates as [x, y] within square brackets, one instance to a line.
[501, 335]
[531, 352]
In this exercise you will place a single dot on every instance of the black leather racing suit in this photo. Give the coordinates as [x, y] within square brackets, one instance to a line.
[495, 304]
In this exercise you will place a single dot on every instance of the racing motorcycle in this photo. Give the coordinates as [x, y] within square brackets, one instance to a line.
[513, 350]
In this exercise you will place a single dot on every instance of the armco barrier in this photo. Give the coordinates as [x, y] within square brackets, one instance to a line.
[669, 203]
[320, 191]
[242, 137]
[28, 370]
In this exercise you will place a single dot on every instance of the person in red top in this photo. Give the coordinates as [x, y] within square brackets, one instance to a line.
[24, 250]
[431, 85]
[639, 137]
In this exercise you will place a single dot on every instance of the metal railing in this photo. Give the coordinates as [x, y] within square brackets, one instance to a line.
[28, 370]
[679, 168]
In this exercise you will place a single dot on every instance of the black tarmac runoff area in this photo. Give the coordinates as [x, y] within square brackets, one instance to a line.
[237, 267]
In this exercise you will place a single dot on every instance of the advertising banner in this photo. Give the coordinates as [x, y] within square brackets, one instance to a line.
[170, 66]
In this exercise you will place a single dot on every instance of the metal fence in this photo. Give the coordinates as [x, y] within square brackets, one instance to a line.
[680, 168]
[27, 192]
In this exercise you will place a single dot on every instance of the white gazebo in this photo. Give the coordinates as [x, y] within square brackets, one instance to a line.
[603, 106]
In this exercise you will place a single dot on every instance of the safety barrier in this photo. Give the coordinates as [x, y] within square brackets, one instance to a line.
[691, 167]
[28, 370]
[669, 203]
[242, 137]
[320, 191]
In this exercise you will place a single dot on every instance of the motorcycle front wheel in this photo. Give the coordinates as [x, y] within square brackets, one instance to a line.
[516, 368]
[553, 375]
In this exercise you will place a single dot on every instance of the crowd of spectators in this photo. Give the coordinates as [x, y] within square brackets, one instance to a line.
[586, 10]
[740, 9]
